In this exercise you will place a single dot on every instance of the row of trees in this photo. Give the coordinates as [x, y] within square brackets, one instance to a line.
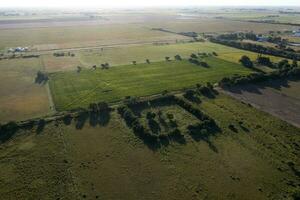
[286, 70]
[266, 61]
[62, 54]
[258, 48]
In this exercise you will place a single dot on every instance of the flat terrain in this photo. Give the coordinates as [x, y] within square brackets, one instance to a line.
[109, 162]
[76, 36]
[280, 98]
[73, 89]
[208, 25]
[123, 55]
[20, 97]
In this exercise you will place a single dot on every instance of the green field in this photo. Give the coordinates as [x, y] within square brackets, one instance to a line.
[73, 90]
[20, 97]
[110, 162]
[124, 55]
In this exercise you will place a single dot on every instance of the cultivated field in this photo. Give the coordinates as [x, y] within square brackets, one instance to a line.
[110, 162]
[280, 98]
[73, 89]
[20, 97]
[76, 36]
[161, 135]
[123, 55]
[206, 25]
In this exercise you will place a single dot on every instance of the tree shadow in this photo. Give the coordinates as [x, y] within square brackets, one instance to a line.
[40, 126]
[232, 128]
[198, 133]
[104, 118]
[256, 88]
[8, 131]
[154, 126]
[67, 120]
[101, 118]
[81, 119]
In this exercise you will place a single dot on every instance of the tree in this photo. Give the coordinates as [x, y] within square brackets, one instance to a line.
[264, 61]
[295, 63]
[283, 64]
[245, 60]
[167, 58]
[177, 57]
[134, 62]
[148, 61]
[78, 69]
[94, 66]
[41, 77]
[194, 56]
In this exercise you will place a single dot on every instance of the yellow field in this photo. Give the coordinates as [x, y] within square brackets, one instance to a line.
[20, 97]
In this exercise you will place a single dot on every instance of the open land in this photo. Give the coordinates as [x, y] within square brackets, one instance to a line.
[72, 89]
[280, 98]
[123, 55]
[248, 145]
[112, 163]
[20, 97]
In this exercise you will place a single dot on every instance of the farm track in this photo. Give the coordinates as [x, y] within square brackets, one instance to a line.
[49, 94]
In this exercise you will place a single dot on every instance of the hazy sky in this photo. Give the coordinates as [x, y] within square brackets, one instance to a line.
[143, 3]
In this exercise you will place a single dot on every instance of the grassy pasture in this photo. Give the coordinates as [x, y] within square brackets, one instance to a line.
[124, 55]
[73, 90]
[20, 97]
[109, 162]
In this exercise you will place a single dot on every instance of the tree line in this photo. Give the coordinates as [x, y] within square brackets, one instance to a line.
[257, 48]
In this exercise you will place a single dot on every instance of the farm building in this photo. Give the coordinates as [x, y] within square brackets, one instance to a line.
[18, 49]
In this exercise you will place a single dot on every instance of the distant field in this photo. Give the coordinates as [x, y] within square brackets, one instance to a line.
[124, 55]
[206, 25]
[20, 97]
[73, 90]
[110, 162]
[78, 36]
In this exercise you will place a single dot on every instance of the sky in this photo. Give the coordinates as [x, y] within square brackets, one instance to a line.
[143, 3]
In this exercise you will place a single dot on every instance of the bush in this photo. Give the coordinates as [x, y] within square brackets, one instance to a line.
[245, 60]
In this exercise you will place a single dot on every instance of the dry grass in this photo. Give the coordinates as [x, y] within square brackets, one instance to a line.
[20, 97]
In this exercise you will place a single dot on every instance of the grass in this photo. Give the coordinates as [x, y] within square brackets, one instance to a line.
[20, 97]
[124, 55]
[73, 90]
[109, 162]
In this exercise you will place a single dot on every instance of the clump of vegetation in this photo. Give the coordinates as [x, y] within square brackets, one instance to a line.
[203, 129]
[264, 61]
[245, 60]
[105, 66]
[284, 70]
[178, 57]
[41, 77]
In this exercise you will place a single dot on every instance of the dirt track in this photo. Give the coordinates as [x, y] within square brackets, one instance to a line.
[277, 98]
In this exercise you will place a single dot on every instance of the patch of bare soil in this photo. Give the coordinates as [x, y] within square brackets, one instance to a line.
[275, 97]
